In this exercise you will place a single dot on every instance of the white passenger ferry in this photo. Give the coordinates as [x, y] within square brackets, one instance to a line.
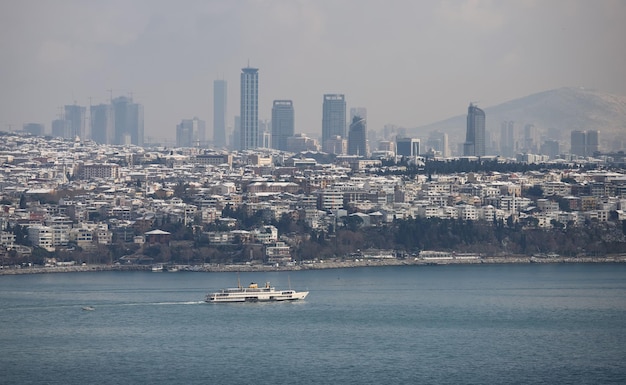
[254, 293]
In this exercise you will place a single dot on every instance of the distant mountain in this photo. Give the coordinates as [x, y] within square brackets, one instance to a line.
[554, 113]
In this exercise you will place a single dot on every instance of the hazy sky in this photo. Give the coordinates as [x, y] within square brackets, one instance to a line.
[408, 62]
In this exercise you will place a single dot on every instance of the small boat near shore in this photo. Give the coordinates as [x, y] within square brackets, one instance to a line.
[88, 308]
[254, 293]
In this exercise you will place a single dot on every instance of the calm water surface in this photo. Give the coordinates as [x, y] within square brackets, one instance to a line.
[496, 324]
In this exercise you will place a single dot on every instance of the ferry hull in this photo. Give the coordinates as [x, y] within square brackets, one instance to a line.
[275, 297]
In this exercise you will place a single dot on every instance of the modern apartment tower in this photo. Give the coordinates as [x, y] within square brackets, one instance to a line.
[282, 123]
[219, 113]
[102, 123]
[249, 108]
[128, 121]
[475, 135]
[357, 137]
[333, 117]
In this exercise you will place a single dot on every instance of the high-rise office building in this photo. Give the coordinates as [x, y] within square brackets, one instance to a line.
[578, 139]
[249, 108]
[409, 147]
[551, 148]
[282, 123]
[507, 138]
[191, 133]
[584, 143]
[475, 135]
[333, 117]
[357, 140]
[128, 121]
[219, 113]
[531, 139]
[75, 115]
[592, 143]
[102, 123]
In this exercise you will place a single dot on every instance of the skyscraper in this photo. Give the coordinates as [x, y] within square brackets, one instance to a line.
[249, 108]
[282, 123]
[219, 113]
[75, 115]
[475, 135]
[592, 143]
[102, 123]
[357, 141]
[333, 117]
[578, 143]
[128, 121]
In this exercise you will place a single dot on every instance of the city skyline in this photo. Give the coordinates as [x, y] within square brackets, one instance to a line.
[79, 53]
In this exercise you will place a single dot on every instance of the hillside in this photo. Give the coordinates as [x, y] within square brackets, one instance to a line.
[555, 113]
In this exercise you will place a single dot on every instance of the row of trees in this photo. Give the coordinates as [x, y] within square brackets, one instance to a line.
[432, 167]
[410, 236]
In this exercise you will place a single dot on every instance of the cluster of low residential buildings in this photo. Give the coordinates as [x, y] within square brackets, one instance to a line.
[70, 193]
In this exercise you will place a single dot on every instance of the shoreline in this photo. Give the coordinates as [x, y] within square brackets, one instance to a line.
[321, 265]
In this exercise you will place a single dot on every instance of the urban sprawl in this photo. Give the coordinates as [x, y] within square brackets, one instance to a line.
[272, 198]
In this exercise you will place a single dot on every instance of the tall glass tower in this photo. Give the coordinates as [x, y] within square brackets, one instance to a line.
[219, 113]
[475, 135]
[282, 123]
[357, 137]
[333, 117]
[249, 108]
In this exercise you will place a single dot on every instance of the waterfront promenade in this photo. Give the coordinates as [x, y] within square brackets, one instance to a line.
[318, 265]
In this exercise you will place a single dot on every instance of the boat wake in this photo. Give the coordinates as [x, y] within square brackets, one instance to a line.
[160, 303]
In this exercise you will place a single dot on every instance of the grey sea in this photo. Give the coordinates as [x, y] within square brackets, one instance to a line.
[470, 324]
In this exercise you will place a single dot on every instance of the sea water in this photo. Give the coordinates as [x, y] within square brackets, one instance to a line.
[471, 324]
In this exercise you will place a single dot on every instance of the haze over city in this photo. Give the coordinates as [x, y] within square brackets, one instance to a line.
[409, 63]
